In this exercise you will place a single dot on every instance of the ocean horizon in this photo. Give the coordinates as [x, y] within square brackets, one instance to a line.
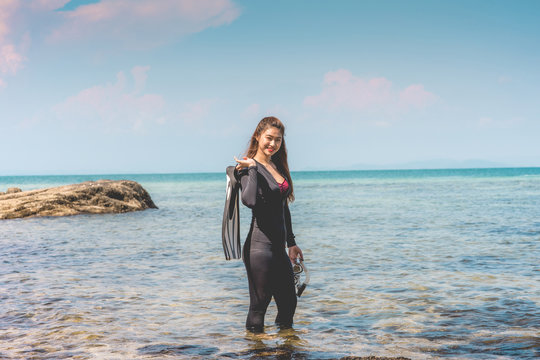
[443, 171]
[425, 264]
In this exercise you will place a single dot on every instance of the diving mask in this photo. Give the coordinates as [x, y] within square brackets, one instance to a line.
[300, 268]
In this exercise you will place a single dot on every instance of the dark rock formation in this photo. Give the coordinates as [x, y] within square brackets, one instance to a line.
[91, 197]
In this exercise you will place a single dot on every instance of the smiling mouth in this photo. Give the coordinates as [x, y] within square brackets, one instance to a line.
[270, 149]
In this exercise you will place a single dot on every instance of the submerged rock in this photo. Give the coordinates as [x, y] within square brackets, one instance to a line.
[90, 197]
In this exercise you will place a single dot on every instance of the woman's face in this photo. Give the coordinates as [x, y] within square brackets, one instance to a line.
[270, 141]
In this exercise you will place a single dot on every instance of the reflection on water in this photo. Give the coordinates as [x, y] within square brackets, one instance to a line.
[413, 266]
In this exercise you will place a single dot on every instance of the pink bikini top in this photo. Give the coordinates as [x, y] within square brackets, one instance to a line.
[284, 186]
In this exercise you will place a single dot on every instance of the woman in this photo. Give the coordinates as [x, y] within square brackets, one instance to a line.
[267, 189]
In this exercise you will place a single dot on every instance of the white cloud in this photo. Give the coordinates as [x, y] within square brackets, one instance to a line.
[11, 60]
[210, 117]
[14, 16]
[252, 111]
[46, 5]
[141, 23]
[503, 79]
[196, 113]
[276, 110]
[124, 23]
[383, 124]
[485, 121]
[499, 123]
[255, 112]
[344, 91]
[115, 106]
[415, 96]
[7, 9]
[140, 76]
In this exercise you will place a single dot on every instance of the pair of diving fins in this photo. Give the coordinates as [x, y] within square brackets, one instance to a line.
[230, 230]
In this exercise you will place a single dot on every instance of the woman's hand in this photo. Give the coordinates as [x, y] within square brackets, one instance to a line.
[294, 253]
[244, 163]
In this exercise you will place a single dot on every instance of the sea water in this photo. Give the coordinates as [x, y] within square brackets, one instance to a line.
[424, 264]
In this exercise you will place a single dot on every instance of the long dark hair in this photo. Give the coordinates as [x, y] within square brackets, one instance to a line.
[280, 157]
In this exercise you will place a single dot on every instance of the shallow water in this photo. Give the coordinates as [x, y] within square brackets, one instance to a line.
[423, 264]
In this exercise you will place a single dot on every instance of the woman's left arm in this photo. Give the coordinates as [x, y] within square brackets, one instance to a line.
[294, 250]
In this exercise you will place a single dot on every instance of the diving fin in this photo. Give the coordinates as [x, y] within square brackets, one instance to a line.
[230, 229]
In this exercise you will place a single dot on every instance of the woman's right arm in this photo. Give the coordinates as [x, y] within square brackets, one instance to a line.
[248, 180]
[247, 170]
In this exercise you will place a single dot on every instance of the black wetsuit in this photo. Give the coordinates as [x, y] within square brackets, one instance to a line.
[268, 266]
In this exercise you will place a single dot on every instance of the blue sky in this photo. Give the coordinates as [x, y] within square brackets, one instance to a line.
[130, 86]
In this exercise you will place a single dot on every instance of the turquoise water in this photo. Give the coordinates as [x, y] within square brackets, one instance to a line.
[425, 264]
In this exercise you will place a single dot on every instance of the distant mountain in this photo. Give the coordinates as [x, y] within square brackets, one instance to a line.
[426, 164]
[449, 164]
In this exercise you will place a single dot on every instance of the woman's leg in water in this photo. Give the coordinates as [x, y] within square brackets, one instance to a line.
[284, 290]
[258, 262]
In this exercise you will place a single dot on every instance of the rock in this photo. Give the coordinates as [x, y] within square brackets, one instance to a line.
[13, 190]
[90, 197]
